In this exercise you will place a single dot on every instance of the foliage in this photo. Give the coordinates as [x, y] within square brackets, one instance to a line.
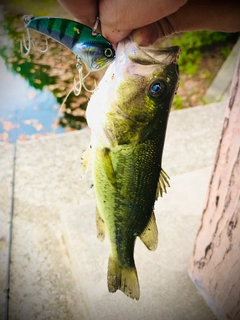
[37, 8]
[194, 43]
[178, 102]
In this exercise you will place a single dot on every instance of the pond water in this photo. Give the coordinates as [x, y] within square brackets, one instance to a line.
[33, 87]
[24, 110]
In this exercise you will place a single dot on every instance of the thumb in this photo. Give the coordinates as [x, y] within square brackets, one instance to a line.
[114, 35]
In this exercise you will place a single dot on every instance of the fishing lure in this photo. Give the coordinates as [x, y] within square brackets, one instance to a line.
[90, 47]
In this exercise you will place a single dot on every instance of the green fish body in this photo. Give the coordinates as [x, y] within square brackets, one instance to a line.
[128, 116]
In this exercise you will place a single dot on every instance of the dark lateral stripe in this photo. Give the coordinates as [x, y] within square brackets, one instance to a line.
[41, 25]
[76, 31]
[66, 40]
[65, 31]
[70, 30]
[38, 25]
[50, 25]
[62, 28]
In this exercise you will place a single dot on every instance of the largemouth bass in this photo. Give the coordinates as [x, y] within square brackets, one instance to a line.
[128, 116]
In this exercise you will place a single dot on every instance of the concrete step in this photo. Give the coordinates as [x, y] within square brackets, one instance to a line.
[220, 86]
[58, 267]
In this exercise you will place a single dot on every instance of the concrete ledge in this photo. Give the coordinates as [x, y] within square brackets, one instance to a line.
[220, 86]
[6, 176]
[192, 138]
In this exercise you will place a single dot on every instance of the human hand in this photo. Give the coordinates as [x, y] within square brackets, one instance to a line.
[148, 21]
[119, 18]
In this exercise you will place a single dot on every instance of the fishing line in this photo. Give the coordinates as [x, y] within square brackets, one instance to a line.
[77, 85]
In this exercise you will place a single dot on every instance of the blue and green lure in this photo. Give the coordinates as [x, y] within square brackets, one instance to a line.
[93, 49]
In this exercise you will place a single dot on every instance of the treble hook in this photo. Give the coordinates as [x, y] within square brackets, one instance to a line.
[41, 50]
[77, 85]
[29, 42]
[23, 43]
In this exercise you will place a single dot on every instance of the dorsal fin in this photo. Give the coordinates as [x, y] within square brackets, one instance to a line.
[149, 236]
[162, 184]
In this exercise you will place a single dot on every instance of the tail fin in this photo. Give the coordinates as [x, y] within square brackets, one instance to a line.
[123, 278]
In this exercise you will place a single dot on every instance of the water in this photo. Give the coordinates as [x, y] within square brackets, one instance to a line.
[25, 112]
[32, 88]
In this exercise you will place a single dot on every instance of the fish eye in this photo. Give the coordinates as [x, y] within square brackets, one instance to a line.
[108, 53]
[157, 88]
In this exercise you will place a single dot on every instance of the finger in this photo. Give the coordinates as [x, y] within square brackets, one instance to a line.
[215, 15]
[114, 35]
[84, 11]
[120, 17]
[147, 35]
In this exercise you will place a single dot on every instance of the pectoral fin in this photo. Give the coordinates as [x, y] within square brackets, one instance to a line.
[162, 184]
[85, 160]
[149, 236]
[104, 156]
[100, 226]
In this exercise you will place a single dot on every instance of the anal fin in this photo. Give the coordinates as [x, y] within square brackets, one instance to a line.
[100, 226]
[149, 236]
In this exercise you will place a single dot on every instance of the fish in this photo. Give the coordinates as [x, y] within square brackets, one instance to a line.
[92, 48]
[128, 115]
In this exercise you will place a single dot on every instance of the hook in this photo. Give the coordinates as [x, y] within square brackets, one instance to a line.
[41, 50]
[27, 44]
[77, 85]
[24, 44]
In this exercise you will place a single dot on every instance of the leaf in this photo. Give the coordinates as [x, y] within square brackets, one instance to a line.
[38, 126]
[28, 121]
[8, 126]
[31, 95]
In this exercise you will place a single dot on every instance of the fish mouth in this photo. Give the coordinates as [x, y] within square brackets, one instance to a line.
[164, 55]
[128, 49]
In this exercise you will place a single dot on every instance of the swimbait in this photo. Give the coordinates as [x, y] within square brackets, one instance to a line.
[93, 49]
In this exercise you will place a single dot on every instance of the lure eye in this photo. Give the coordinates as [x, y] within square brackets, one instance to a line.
[108, 53]
[157, 88]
